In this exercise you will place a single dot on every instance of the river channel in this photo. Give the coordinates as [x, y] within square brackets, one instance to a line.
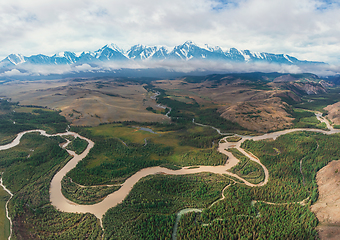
[61, 203]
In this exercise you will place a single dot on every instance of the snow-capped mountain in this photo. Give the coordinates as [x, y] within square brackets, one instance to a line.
[141, 52]
[64, 58]
[12, 60]
[188, 51]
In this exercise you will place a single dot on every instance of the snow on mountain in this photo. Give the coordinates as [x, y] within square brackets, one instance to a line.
[39, 59]
[64, 58]
[113, 47]
[208, 48]
[12, 60]
[109, 52]
[187, 51]
[141, 52]
[16, 59]
[235, 55]
[161, 53]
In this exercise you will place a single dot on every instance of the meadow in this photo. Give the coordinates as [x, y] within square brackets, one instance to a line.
[122, 149]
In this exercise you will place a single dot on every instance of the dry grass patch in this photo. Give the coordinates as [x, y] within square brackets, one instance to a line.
[334, 113]
[327, 206]
[94, 101]
[255, 109]
[259, 115]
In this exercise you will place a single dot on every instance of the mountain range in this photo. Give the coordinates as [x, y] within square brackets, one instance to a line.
[184, 52]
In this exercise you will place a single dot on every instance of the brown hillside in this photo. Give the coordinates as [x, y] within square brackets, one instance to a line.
[327, 208]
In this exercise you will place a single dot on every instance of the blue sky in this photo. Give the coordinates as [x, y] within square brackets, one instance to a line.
[328, 4]
[306, 29]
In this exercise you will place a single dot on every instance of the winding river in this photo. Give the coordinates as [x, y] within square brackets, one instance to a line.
[61, 203]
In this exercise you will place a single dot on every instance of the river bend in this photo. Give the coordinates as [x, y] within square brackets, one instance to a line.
[61, 203]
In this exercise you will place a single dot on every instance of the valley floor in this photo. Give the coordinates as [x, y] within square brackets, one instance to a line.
[99, 209]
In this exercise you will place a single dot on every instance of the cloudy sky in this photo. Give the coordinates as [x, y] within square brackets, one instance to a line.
[306, 29]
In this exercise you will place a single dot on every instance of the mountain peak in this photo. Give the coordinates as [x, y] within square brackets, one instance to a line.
[138, 46]
[16, 58]
[113, 47]
[185, 52]
[189, 42]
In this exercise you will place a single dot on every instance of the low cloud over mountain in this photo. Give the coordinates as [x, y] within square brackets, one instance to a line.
[184, 58]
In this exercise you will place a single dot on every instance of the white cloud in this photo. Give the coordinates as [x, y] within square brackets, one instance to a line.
[174, 66]
[83, 68]
[307, 29]
[13, 72]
